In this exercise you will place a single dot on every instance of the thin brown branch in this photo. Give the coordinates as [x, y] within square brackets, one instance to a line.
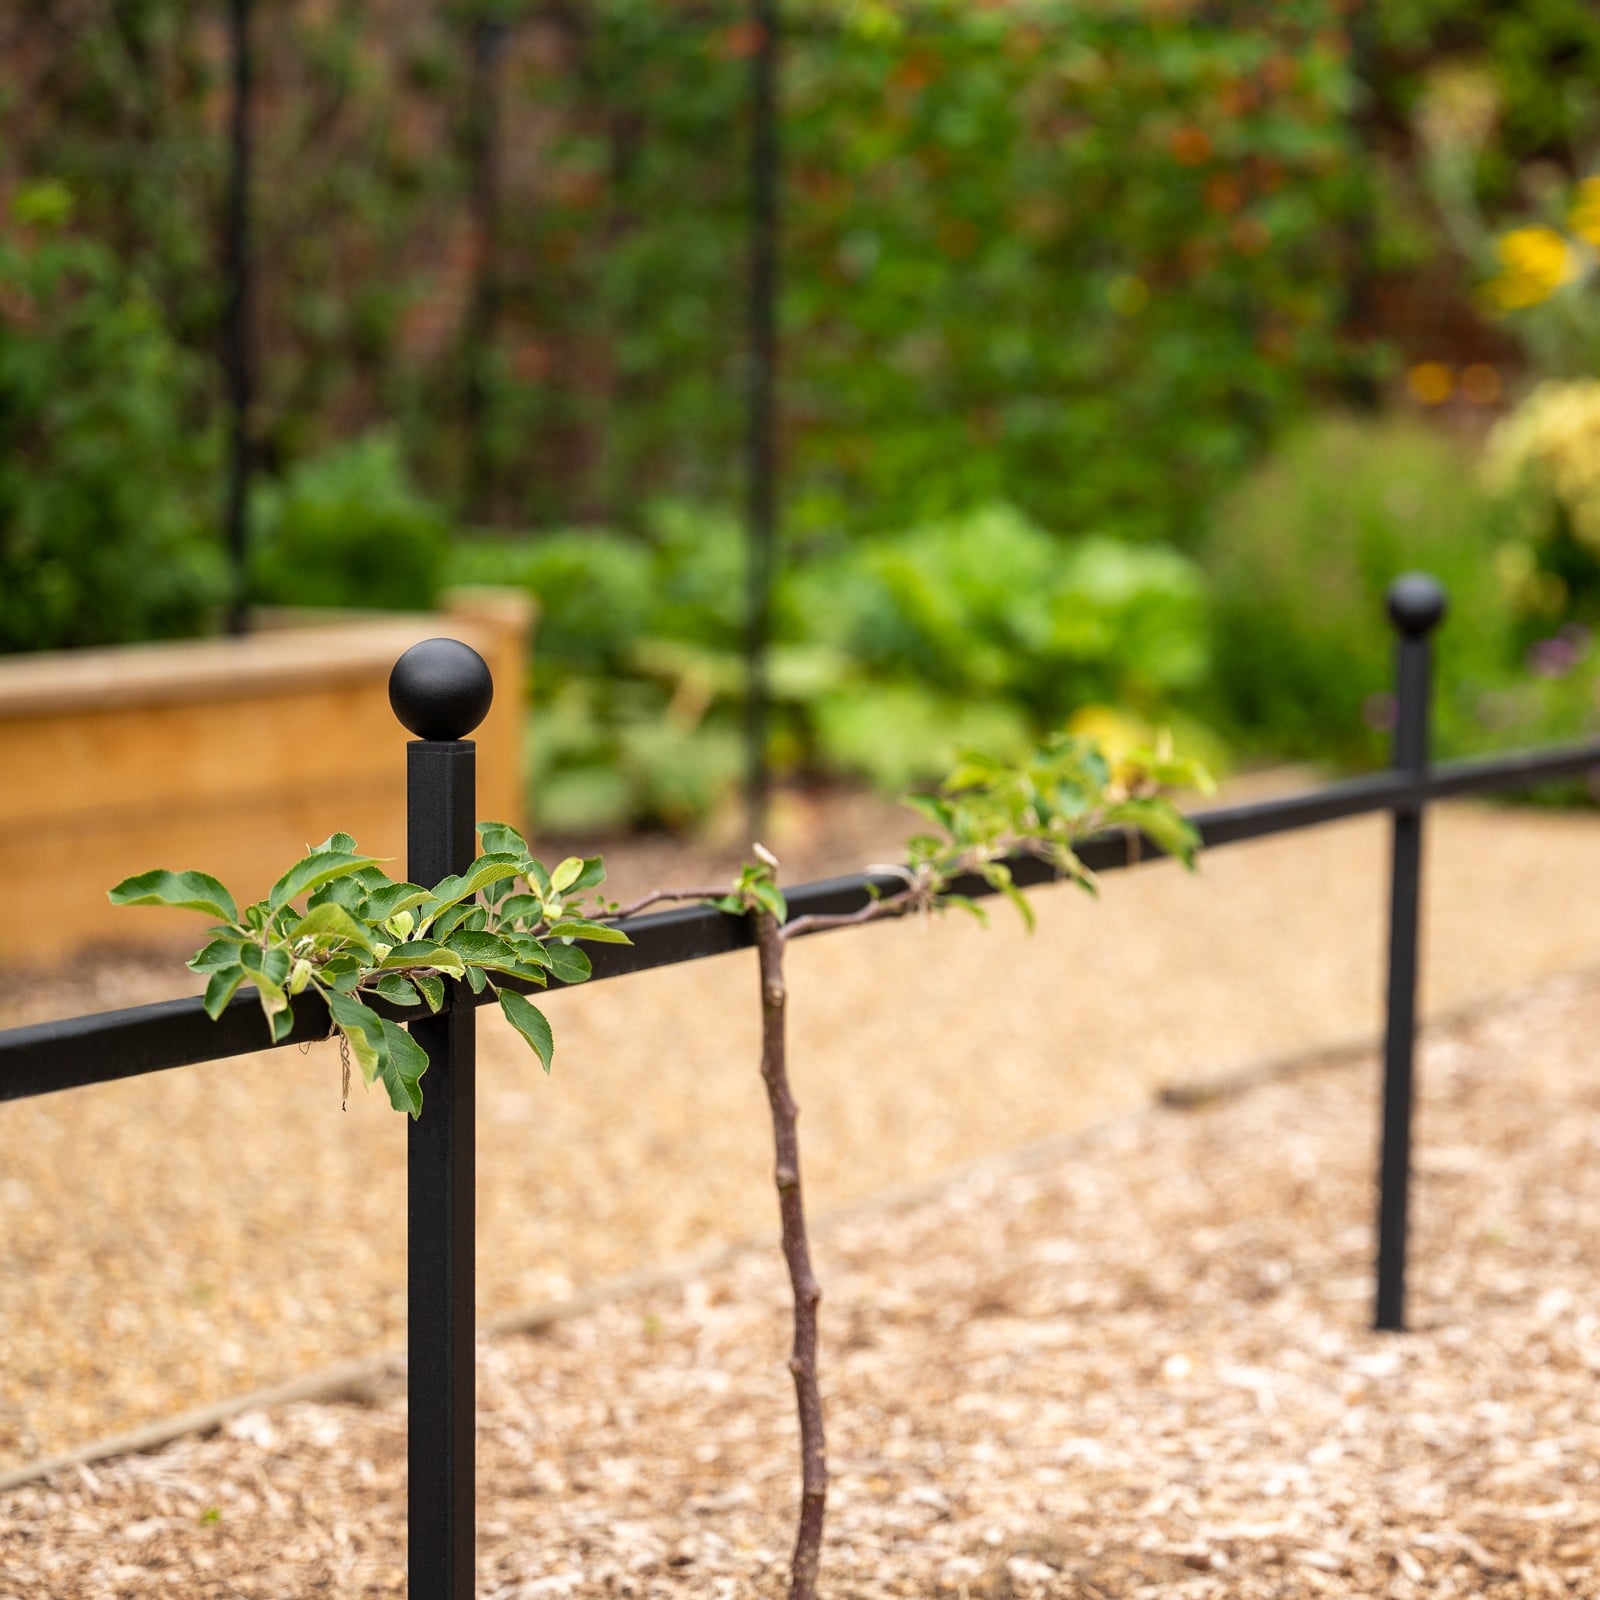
[659, 896]
[797, 1256]
[896, 905]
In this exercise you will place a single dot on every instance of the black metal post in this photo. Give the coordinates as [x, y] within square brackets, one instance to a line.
[237, 317]
[440, 689]
[490, 35]
[1416, 606]
[762, 420]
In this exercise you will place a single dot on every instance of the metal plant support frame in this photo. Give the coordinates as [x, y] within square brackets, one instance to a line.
[50, 1056]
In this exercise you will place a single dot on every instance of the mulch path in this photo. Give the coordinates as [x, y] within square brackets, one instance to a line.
[1139, 1366]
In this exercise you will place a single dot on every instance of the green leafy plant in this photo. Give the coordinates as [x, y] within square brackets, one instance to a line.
[339, 926]
[349, 528]
[890, 654]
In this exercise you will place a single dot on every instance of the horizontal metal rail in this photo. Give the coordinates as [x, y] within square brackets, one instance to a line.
[48, 1056]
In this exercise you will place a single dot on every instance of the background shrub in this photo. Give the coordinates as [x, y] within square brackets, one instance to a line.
[348, 529]
[1299, 559]
[107, 478]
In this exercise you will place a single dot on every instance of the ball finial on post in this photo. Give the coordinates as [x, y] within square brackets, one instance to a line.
[1417, 604]
[441, 689]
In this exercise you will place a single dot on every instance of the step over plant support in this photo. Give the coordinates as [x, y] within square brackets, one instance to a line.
[442, 710]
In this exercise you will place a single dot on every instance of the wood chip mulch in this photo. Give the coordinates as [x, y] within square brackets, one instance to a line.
[1142, 1368]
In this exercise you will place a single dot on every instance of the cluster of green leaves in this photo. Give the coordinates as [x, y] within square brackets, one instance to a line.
[888, 655]
[337, 925]
[107, 521]
[1065, 790]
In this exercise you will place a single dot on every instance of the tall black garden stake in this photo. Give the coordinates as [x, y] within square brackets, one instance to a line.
[236, 352]
[761, 444]
[1416, 607]
[441, 690]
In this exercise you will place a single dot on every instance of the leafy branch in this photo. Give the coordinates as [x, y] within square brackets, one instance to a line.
[338, 925]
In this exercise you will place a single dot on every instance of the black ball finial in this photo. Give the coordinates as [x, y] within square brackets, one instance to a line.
[441, 689]
[1417, 604]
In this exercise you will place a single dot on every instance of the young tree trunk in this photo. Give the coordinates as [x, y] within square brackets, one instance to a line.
[797, 1254]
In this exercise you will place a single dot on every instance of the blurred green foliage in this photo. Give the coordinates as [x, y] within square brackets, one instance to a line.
[1072, 256]
[1078, 258]
[348, 528]
[1299, 559]
[107, 476]
[889, 654]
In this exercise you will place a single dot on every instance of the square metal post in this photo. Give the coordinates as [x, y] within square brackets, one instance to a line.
[1416, 606]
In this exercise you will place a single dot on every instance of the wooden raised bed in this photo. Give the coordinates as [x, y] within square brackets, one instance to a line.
[230, 755]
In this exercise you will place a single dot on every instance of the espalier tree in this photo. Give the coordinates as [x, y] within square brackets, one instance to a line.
[337, 923]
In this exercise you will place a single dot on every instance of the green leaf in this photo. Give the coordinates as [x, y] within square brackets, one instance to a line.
[937, 811]
[363, 1031]
[962, 902]
[500, 838]
[566, 874]
[340, 843]
[537, 876]
[432, 989]
[423, 953]
[220, 953]
[594, 932]
[999, 875]
[482, 949]
[394, 898]
[768, 897]
[400, 991]
[476, 978]
[331, 922]
[269, 966]
[484, 871]
[591, 877]
[342, 972]
[520, 907]
[280, 1016]
[348, 892]
[530, 1022]
[404, 1062]
[314, 871]
[1163, 824]
[530, 952]
[568, 963]
[447, 922]
[221, 988]
[188, 891]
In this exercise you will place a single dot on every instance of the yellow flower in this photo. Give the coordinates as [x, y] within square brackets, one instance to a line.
[1584, 218]
[1535, 263]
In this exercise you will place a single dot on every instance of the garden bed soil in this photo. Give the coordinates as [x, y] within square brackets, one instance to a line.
[1137, 1365]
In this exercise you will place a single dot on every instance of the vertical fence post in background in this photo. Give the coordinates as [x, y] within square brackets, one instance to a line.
[490, 35]
[1416, 606]
[441, 689]
[236, 355]
[762, 417]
